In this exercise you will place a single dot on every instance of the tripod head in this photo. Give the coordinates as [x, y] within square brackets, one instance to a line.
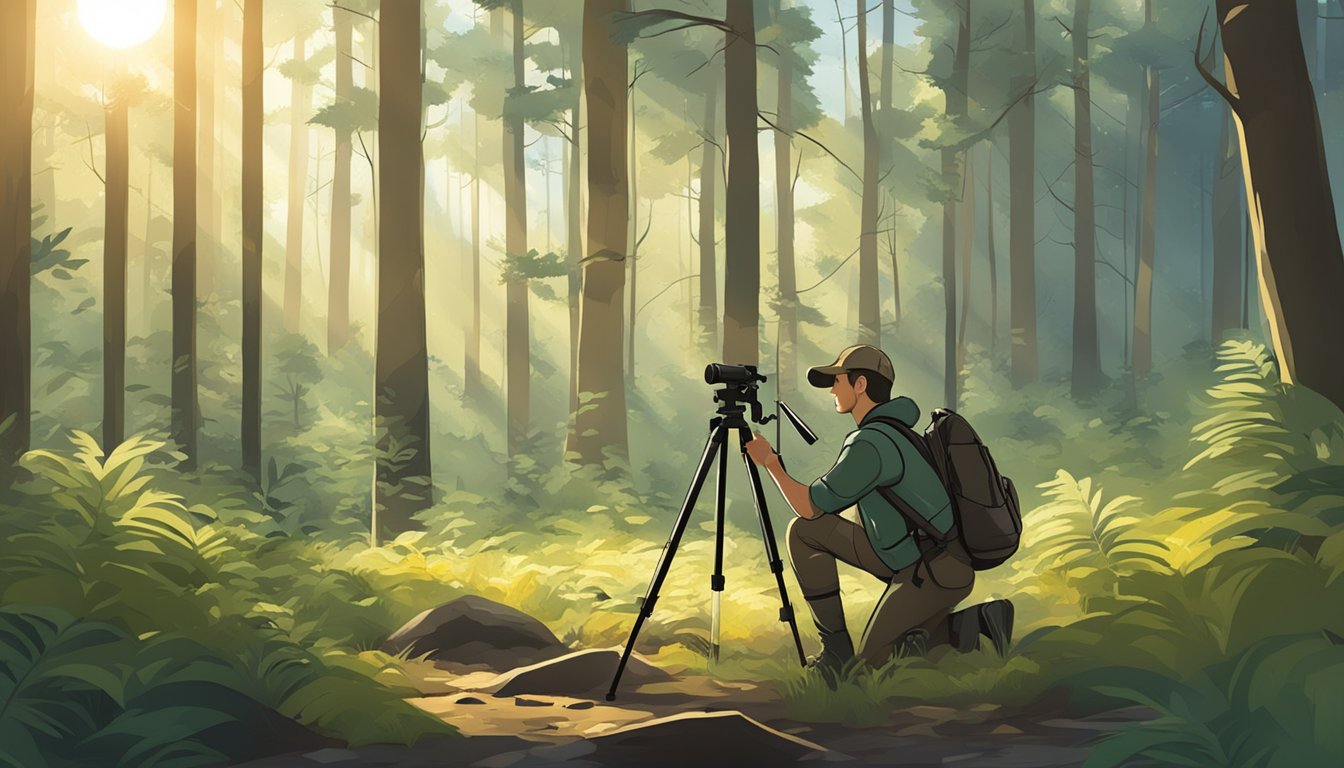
[740, 391]
[741, 384]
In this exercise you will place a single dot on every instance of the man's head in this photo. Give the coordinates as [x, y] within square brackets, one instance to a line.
[861, 371]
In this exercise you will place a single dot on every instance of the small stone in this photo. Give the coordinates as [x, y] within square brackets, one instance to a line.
[1006, 730]
[580, 705]
[469, 700]
[521, 702]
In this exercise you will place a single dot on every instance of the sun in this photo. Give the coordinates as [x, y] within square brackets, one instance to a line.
[122, 23]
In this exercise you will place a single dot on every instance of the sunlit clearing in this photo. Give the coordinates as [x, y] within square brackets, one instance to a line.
[122, 23]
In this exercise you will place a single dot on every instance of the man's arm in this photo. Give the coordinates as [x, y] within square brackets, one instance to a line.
[794, 492]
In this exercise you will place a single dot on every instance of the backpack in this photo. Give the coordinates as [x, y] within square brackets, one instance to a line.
[986, 515]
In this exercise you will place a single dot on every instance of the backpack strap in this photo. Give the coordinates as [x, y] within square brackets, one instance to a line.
[914, 519]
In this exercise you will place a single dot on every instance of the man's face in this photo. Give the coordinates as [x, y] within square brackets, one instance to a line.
[843, 392]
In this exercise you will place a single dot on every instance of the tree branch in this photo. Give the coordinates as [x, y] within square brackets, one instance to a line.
[814, 141]
[1200, 64]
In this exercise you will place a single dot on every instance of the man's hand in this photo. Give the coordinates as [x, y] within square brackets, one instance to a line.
[760, 452]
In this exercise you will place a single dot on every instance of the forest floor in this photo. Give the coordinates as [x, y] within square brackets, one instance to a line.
[693, 720]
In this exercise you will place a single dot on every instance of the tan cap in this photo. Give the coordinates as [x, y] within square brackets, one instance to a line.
[863, 356]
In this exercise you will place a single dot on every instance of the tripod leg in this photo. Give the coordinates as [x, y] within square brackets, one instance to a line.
[771, 549]
[718, 436]
[716, 582]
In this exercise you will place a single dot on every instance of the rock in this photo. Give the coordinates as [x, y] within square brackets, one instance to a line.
[701, 739]
[1006, 730]
[331, 755]
[521, 702]
[468, 700]
[474, 630]
[577, 674]
[580, 705]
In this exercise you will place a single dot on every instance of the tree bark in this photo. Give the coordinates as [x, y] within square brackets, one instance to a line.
[742, 227]
[967, 212]
[1022, 207]
[185, 408]
[298, 178]
[788, 283]
[207, 196]
[517, 333]
[471, 386]
[633, 235]
[870, 315]
[709, 180]
[574, 232]
[1143, 286]
[600, 424]
[338, 281]
[1227, 218]
[1086, 375]
[955, 107]
[253, 202]
[888, 74]
[16, 152]
[404, 479]
[115, 233]
[1297, 242]
[993, 256]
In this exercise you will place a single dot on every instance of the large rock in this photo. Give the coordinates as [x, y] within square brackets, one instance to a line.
[474, 630]
[579, 674]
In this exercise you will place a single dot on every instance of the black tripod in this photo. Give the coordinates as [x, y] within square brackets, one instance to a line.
[734, 399]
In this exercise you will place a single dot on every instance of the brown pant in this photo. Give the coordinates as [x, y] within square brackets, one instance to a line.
[815, 545]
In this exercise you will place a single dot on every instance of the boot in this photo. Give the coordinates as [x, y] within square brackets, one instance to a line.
[837, 649]
[993, 620]
[914, 644]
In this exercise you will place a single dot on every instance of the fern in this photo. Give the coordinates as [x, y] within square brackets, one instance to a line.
[1086, 542]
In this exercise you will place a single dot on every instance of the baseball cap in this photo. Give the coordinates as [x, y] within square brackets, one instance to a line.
[864, 356]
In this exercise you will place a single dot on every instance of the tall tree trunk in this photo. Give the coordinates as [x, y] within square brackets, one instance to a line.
[600, 424]
[1297, 242]
[788, 283]
[298, 177]
[471, 379]
[889, 74]
[955, 107]
[517, 333]
[844, 66]
[338, 282]
[1143, 287]
[207, 196]
[742, 228]
[870, 314]
[17, 21]
[574, 232]
[633, 236]
[1227, 218]
[253, 116]
[710, 169]
[404, 482]
[185, 410]
[115, 233]
[1022, 206]
[1086, 378]
[967, 212]
[993, 256]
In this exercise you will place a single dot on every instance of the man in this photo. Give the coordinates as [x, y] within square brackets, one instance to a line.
[923, 582]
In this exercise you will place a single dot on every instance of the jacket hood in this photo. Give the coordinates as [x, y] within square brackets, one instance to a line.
[902, 409]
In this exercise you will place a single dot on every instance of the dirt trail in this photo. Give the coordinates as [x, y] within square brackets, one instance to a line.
[647, 725]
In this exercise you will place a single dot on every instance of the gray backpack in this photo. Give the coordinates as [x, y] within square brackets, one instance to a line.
[988, 520]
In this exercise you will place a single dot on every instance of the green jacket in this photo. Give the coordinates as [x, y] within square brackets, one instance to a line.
[875, 455]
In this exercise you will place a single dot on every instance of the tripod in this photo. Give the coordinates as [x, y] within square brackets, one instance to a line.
[734, 400]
